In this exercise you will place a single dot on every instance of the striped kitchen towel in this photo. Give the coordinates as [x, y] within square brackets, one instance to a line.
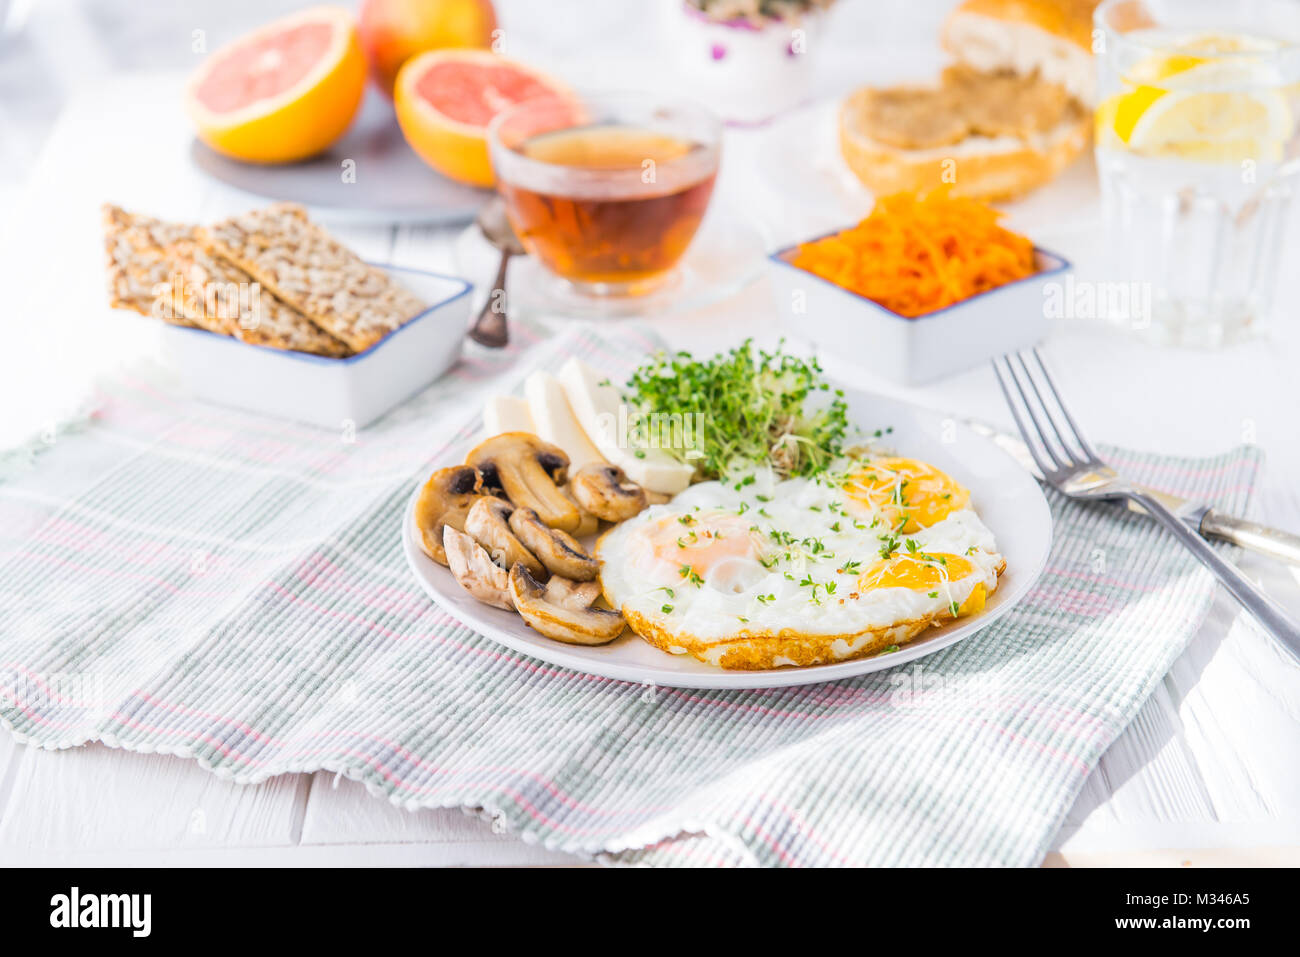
[182, 578]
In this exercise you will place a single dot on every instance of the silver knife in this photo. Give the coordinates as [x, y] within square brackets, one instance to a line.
[1209, 522]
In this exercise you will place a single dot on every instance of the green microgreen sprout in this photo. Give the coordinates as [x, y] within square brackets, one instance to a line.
[759, 405]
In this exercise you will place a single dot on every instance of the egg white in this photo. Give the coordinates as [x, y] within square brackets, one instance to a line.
[821, 531]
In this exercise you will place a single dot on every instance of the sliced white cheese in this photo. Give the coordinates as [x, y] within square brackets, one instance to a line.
[596, 404]
[555, 421]
[507, 413]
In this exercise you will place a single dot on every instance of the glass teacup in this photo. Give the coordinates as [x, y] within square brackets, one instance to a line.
[607, 192]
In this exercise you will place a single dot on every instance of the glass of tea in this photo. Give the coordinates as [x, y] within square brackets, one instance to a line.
[606, 191]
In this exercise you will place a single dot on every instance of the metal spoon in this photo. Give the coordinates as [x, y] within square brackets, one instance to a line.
[490, 328]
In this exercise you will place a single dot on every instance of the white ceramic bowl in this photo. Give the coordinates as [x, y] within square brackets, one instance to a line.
[915, 351]
[331, 393]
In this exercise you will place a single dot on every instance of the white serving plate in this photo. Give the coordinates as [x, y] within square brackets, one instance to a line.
[391, 184]
[798, 161]
[1008, 500]
[331, 393]
[915, 351]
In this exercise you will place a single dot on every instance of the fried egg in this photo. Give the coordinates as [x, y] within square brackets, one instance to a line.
[760, 573]
[908, 495]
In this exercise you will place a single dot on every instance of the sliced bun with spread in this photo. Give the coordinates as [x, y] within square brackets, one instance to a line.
[1006, 117]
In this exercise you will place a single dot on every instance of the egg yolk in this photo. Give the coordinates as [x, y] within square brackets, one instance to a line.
[915, 571]
[908, 495]
[700, 542]
[974, 601]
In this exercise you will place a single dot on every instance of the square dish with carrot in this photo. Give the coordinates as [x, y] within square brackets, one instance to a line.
[921, 288]
[915, 256]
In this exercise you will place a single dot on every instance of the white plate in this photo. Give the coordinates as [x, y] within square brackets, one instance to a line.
[1007, 498]
[391, 184]
[799, 161]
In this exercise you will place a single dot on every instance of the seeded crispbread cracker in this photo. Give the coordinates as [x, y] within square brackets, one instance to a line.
[307, 268]
[141, 261]
[216, 288]
[159, 269]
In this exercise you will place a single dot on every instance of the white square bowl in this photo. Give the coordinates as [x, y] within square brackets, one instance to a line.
[331, 393]
[915, 351]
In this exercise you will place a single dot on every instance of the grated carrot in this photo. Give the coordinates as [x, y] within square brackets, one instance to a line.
[917, 255]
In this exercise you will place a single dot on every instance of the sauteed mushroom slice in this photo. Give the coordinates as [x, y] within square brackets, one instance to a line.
[474, 569]
[445, 501]
[529, 472]
[606, 492]
[588, 524]
[559, 551]
[563, 609]
[488, 524]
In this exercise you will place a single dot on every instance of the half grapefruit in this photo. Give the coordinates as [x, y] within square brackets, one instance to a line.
[446, 98]
[282, 93]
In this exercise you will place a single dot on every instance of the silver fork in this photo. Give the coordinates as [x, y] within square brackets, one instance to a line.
[1070, 465]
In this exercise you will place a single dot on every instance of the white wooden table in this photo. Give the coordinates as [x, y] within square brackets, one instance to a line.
[1208, 773]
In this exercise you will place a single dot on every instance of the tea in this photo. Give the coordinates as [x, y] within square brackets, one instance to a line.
[614, 204]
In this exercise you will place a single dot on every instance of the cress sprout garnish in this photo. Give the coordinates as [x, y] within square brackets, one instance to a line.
[760, 410]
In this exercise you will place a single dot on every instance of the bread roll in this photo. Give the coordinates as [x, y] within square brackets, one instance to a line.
[982, 167]
[1053, 37]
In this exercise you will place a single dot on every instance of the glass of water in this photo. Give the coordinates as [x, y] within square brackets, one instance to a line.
[1197, 151]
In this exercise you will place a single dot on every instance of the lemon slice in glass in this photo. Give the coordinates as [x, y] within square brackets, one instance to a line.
[1200, 108]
